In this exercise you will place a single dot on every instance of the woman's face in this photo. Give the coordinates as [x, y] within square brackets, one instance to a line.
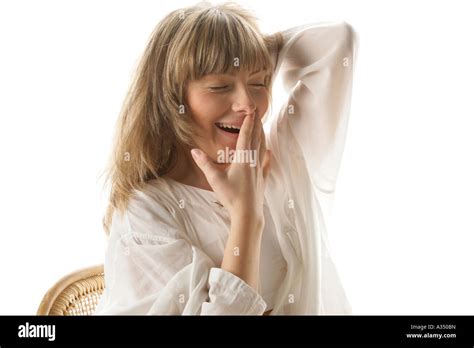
[218, 102]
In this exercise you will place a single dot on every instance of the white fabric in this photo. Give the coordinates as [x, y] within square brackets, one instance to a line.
[163, 255]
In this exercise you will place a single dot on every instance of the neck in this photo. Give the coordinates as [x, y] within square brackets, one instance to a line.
[187, 172]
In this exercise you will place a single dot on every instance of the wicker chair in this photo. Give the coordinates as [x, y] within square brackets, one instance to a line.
[75, 294]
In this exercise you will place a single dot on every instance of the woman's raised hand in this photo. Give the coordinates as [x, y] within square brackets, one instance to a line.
[240, 186]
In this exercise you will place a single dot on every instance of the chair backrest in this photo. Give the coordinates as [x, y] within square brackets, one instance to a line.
[77, 293]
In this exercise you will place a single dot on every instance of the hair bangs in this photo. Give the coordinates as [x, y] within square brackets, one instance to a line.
[224, 44]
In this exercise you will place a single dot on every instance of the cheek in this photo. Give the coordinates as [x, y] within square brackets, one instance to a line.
[205, 109]
[261, 100]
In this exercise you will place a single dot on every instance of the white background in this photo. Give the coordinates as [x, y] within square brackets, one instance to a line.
[402, 227]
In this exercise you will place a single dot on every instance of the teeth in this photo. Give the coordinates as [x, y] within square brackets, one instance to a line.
[223, 125]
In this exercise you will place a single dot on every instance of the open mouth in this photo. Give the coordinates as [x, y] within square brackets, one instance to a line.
[228, 128]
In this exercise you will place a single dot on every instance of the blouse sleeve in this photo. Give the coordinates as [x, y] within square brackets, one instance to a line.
[151, 267]
[316, 65]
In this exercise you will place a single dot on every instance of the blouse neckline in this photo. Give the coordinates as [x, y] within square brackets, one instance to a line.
[194, 188]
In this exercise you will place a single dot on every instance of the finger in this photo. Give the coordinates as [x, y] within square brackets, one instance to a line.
[256, 132]
[245, 134]
[266, 163]
[206, 165]
[262, 146]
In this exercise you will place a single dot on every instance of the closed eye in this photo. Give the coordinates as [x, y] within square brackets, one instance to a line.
[224, 87]
[218, 88]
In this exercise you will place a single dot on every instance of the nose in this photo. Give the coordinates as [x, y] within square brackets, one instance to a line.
[243, 102]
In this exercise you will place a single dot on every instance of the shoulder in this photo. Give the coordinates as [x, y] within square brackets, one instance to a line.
[153, 196]
[151, 213]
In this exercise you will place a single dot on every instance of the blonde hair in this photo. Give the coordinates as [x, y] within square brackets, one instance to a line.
[186, 45]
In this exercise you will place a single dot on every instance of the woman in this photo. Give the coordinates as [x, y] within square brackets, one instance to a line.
[235, 226]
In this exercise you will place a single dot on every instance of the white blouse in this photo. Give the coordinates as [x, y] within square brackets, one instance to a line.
[164, 254]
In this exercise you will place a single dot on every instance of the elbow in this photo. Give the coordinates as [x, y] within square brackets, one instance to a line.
[349, 39]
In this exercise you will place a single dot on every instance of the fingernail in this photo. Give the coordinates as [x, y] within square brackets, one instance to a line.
[196, 153]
